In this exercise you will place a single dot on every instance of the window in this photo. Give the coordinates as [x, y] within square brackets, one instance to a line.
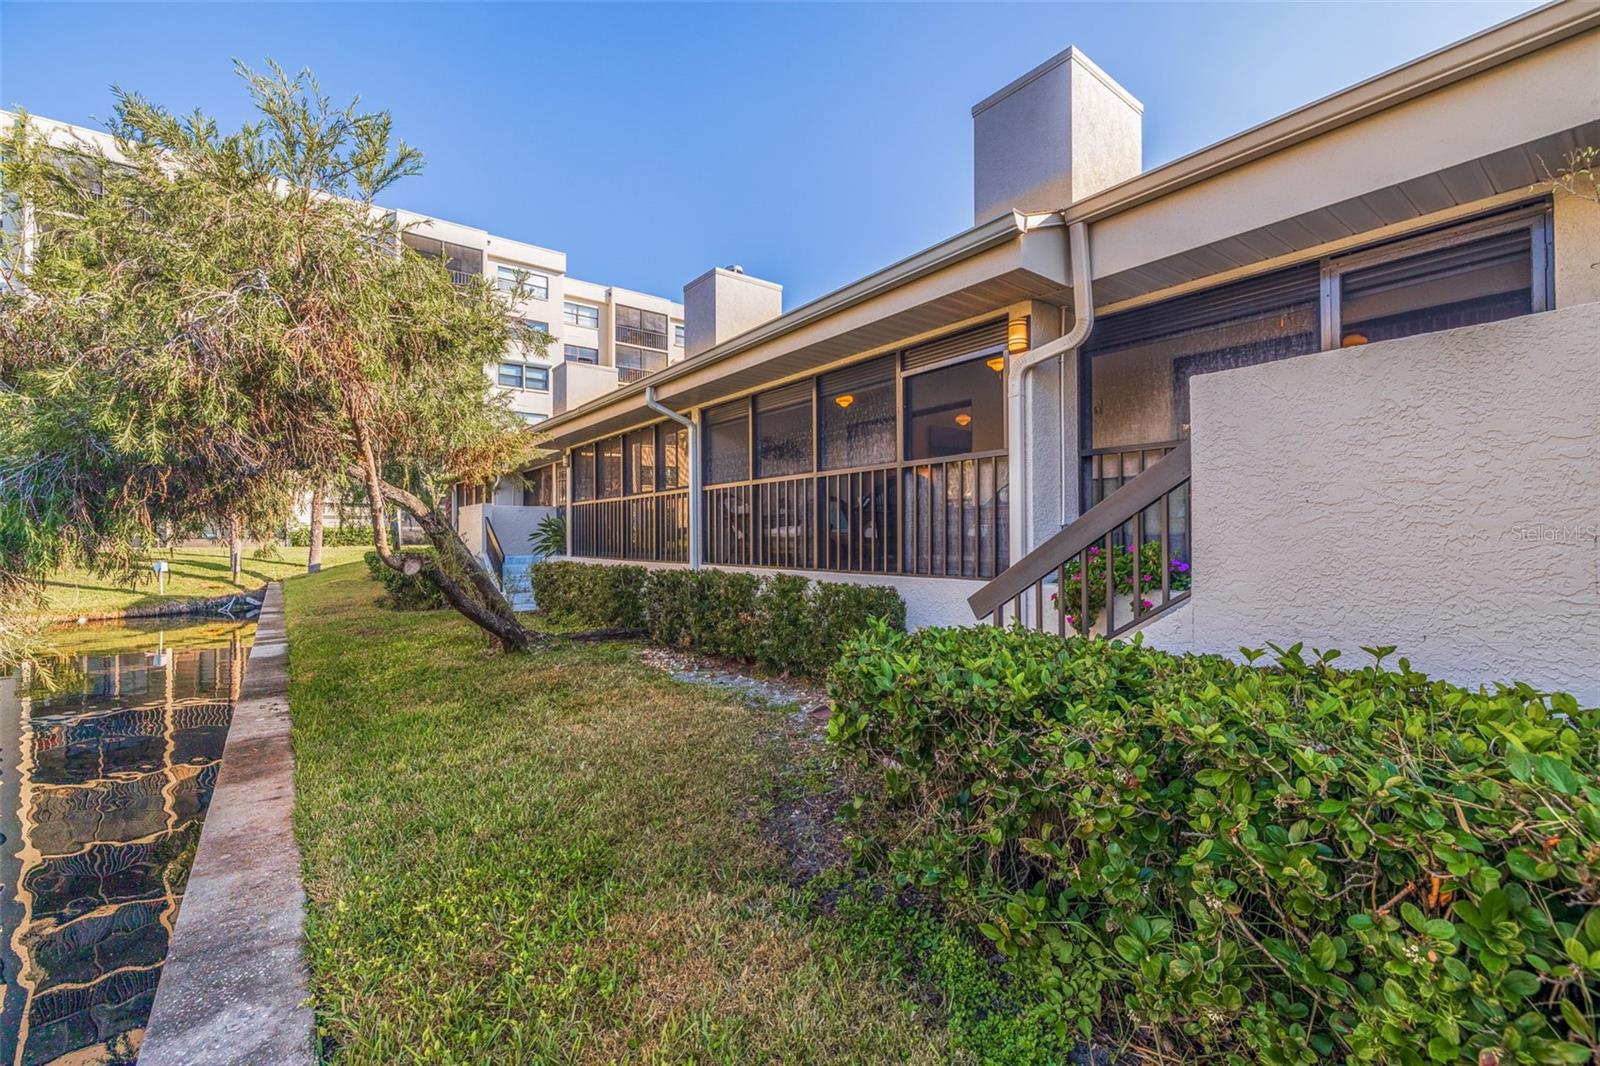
[515, 279]
[533, 418]
[580, 315]
[577, 353]
[609, 470]
[783, 431]
[645, 329]
[640, 455]
[531, 325]
[857, 415]
[955, 410]
[546, 486]
[634, 363]
[462, 262]
[518, 376]
[674, 457]
[727, 439]
[583, 473]
[677, 334]
[1460, 281]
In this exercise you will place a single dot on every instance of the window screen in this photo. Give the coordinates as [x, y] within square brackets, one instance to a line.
[727, 433]
[857, 415]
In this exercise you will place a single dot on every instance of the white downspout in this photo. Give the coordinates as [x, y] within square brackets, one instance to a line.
[696, 504]
[1016, 381]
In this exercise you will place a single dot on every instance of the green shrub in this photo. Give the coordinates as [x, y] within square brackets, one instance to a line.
[405, 593]
[1292, 864]
[605, 597]
[784, 624]
[724, 615]
[351, 536]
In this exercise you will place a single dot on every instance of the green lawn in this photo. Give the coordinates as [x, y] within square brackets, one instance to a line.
[565, 857]
[193, 574]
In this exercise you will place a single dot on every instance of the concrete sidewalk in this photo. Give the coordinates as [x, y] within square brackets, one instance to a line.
[233, 990]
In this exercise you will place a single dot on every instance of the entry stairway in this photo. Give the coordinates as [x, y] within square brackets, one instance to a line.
[1119, 566]
[514, 573]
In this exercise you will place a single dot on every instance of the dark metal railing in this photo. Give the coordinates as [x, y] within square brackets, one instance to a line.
[1122, 562]
[1105, 470]
[645, 527]
[942, 518]
[497, 554]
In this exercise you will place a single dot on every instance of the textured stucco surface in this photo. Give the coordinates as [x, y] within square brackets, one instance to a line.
[1440, 493]
[1577, 250]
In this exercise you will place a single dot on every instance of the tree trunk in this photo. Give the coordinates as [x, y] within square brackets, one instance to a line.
[314, 552]
[484, 605]
[233, 547]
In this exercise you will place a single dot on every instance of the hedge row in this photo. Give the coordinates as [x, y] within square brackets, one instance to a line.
[350, 536]
[785, 623]
[1278, 864]
[405, 593]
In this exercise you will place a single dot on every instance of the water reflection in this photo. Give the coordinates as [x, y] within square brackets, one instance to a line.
[105, 774]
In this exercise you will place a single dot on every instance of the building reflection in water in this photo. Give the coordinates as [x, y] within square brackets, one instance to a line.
[104, 780]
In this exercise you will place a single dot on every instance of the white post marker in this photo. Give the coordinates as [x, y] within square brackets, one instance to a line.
[160, 567]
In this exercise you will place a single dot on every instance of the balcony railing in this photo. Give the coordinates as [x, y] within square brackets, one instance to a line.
[944, 518]
[648, 527]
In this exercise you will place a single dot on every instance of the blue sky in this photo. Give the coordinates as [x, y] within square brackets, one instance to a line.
[812, 143]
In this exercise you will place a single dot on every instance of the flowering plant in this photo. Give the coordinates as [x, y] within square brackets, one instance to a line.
[1179, 579]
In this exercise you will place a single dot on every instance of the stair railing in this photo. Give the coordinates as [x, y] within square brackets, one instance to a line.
[497, 555]
[1120, 564]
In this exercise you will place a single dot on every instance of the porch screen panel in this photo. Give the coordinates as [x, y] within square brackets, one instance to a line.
[783, 431]
[1141, 362]
[640, 460]
[674, 456]
[609, 470]
[955, 410]
[857, 415]
[583, 473]
[1463, 285]
[727, 433]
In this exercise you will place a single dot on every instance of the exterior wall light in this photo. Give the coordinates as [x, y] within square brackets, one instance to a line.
[1351, 340]
[1017, 335]
[997, 364]
[844, 401]
[963, 420]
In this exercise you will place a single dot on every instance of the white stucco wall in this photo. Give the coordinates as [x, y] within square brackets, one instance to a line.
[1440, 493]
[1577, 249]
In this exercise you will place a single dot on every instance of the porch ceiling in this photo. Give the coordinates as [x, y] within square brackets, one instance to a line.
[1510, 171]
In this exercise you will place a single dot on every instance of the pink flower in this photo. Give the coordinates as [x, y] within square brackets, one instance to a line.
[1146, 604]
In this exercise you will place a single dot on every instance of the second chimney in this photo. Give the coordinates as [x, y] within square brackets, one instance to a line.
[1061, 132]
[723, 303]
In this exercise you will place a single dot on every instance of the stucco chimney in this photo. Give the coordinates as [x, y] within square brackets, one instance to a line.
[723, 303]
[1061, 132]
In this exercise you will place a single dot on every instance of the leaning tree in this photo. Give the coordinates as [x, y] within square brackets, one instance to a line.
[197, 321]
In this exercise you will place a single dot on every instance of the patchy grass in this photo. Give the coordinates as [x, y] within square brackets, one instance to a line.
[560, 857]
[193, 574]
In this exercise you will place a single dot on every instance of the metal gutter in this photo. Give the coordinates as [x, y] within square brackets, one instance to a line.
[1078, 264]
[696, 473]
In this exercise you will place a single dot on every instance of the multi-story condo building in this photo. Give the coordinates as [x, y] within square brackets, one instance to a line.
[600, 336]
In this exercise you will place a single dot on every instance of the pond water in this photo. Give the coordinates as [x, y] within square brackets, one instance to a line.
[109, 749]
